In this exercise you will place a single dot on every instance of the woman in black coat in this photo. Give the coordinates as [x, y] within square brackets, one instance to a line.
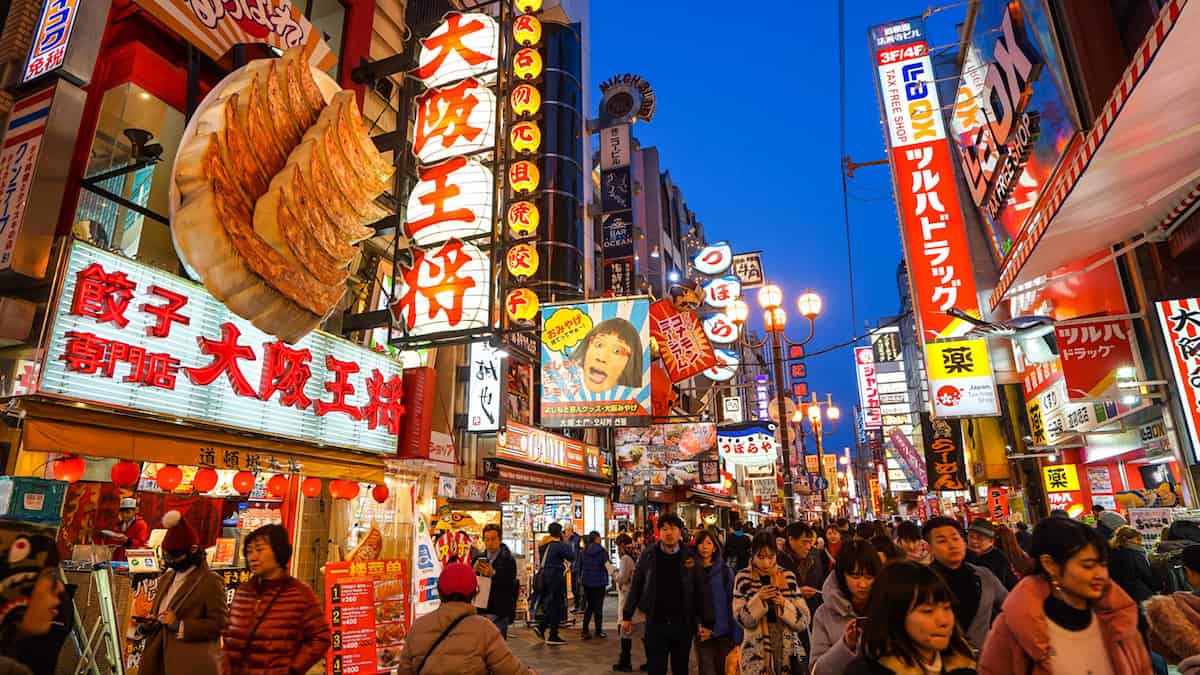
[1128, 565]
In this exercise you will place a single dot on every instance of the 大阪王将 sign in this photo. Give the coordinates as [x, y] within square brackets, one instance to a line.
[131, 336]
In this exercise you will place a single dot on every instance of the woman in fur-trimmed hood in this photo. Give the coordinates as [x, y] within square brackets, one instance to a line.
[1175, 619]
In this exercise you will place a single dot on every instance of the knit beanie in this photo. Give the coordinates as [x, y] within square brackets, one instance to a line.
[25, 550]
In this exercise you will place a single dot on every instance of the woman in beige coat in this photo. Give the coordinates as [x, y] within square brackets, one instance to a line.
[189, 609]
[454, 640]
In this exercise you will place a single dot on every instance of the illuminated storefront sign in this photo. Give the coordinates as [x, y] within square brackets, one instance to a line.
[1181, 328]
[749, 269]
[130, 336]
[939, 260]
[682, 343]
[51, 37]
[945, 458]
[749, 444]
[463, 46]
[483, 388]
[1091, 353]
[1061, 477]
[714, 259]
[451, 199]
[530, 445]
[868, 388]
[961, 383]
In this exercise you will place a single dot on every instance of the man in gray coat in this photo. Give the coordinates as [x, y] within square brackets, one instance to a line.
[977, 592]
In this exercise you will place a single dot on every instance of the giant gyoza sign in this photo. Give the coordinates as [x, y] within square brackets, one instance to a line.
[935, 241]
[131, 336]
[446, 287]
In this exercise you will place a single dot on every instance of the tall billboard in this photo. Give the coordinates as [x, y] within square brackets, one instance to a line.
[935, 239]
[596, 363]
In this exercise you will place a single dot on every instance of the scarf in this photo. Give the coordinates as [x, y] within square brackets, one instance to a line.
[967, 590]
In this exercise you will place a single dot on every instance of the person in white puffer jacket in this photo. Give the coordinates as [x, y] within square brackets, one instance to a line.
[835, 631]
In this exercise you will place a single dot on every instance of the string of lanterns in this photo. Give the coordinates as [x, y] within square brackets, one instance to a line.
[126, 474]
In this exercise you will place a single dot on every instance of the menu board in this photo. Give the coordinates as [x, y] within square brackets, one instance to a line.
[366, 604]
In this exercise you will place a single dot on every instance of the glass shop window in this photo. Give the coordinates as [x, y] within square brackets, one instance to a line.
[130, 166]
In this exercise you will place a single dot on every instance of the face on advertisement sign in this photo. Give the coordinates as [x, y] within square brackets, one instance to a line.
[595, 361]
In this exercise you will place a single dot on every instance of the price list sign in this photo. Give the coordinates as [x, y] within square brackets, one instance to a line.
[367, 608]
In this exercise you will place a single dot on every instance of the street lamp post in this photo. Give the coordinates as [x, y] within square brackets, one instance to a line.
[770, 297]
[814, 418]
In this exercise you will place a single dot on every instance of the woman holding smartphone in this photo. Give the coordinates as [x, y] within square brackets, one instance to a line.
[768, 605]
[838, 624]
[910, 627]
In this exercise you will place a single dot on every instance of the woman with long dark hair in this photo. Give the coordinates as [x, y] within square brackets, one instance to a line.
[1068, 616]
[909, 627]
[768, 604]
[1006, 541]
[712, 651]
[835, 631]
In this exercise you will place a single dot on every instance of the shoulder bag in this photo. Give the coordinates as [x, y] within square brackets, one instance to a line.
[438, 641]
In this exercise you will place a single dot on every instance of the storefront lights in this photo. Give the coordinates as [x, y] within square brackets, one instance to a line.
[523, 176]
[522, 260]
[521, 305]
[527, 30]
[527, 64]
[525, 100]
[525, 137]
[523, 219]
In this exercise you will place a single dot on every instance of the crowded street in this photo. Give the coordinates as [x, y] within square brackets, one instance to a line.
[568, 337]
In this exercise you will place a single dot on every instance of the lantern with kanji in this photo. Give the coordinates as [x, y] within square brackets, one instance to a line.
[464, 45]
[277, 486]
[521, 305]
[169, 477]
[523, 176]
[243, 482]
[125, 473]
[204, 480]
[527, 64]
[525, 100]
[525, 137]
[527, 30]
[69, 468]
[380, 493]
[522, 260]
[311, 487]
[523, 219]
[529, 6]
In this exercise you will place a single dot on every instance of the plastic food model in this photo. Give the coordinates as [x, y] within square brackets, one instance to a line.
[276, 179]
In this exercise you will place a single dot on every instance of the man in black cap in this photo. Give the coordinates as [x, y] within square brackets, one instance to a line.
[982, 551]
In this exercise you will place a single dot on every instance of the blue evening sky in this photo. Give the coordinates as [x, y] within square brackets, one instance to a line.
[747, 124]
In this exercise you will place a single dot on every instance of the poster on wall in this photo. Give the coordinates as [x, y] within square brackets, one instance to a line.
[366, 606]
[664, 454]
[595, 364]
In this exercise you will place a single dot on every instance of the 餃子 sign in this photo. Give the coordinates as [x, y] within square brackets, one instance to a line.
[595, 364]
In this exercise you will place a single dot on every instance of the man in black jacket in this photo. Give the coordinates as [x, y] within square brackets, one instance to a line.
[737, 547]
[982, 551]
[670, 589]
[497, 563]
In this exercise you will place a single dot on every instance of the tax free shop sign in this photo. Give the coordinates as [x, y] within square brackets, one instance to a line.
[131, 336]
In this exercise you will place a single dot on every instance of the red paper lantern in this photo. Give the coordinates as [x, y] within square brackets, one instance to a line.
[204, 480]
[278, 486]
[311, 487]
[125, 473]
[69, 468]
[380, 493]
[169, 477]
[243, 482]
[350, 489]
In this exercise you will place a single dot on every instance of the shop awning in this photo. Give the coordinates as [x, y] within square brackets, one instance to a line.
[1135, 166]
[52, 428]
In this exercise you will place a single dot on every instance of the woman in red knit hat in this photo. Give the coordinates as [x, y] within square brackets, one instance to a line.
[189, 608]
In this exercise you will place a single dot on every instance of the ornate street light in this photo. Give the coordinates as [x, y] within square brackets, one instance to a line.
[738, 312]
[770, 297]
[809, 305]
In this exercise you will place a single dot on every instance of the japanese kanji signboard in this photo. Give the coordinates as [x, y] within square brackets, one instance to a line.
[961, 383]
[1091, 353]
[595, 364]
[682, 343]
[936, 250]
[51, 37]
[18, 161]
[366, 606]
[131, 336]
[1061, 477]
[1181, 328]
[749, 269]
[444, 284]
[944, 458]
[868, 388]
[215, 27]
[483, 389]
[617, 234]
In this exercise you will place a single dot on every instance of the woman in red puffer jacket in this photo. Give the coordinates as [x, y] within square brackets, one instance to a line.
[275, 622]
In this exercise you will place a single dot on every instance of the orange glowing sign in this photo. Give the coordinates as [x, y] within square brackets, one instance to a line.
[521, 305]
[523, 219]
[525, 100]
[522, 260]
[525, 137]
[527, 64]
[529, 6]
[523, 176]
[527, 30]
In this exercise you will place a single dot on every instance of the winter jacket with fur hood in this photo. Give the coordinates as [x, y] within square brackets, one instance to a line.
[1175, 628]
[1019, 641]
[830, 655]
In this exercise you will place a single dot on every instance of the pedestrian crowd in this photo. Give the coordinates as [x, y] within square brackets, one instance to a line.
[1061, 598]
